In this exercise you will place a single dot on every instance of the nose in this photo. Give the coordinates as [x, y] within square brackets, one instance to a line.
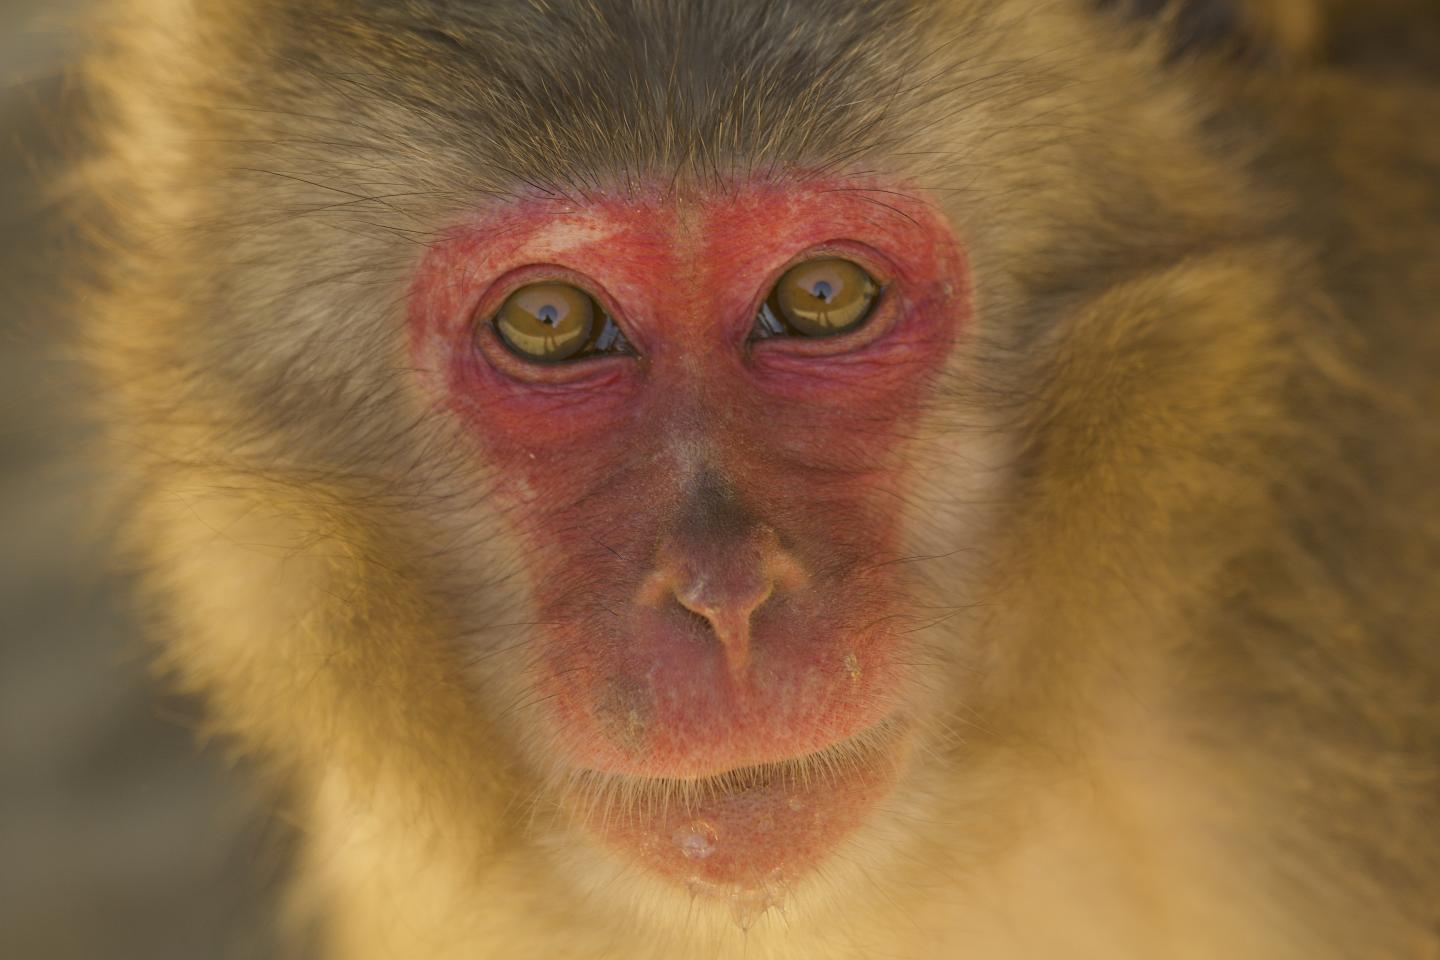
[719, 562]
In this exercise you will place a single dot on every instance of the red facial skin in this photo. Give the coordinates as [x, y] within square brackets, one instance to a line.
[758, 483]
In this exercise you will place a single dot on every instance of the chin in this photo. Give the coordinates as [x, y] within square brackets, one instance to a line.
[746, 836]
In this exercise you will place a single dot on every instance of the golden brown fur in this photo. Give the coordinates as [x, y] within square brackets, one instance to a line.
[1181, 634]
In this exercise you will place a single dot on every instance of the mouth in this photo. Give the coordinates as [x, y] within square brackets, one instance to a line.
[745, 835]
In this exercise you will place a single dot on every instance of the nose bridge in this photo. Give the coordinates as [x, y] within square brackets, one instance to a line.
[722, 562]
[712, 513]
[716, 554]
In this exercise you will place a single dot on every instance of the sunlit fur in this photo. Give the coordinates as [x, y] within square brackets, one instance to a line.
[1174, 534]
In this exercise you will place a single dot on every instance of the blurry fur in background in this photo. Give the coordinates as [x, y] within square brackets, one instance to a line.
[1115, 570]
[121, 835]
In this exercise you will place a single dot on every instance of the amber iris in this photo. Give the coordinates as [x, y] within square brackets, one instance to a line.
[820, 298]
[548, 322]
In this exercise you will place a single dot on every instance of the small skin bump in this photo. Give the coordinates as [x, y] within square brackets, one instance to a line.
[623, 714]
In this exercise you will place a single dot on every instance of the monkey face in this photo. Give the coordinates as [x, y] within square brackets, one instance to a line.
[694, 408]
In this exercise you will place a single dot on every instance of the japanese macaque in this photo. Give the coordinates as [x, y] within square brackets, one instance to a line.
[780, 479]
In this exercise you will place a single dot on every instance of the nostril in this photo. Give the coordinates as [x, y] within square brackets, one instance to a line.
[695, 618]
[720, 578]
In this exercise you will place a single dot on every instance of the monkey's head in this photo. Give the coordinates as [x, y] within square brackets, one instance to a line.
[682, 416]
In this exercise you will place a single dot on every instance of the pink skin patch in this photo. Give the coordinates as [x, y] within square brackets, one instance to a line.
[699, 462]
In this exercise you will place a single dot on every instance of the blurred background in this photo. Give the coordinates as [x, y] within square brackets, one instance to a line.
[120, 836]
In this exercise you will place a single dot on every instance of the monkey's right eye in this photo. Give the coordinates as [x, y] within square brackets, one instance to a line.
[553, 322]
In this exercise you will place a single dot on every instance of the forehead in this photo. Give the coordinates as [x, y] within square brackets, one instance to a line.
[680, 214]
[669, 232]
[600, 92]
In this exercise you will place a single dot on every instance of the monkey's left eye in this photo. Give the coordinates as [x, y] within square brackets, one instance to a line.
[818, 298]
[554, 322]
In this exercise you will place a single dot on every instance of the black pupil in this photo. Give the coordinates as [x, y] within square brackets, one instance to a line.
[821, 290]
[548, 315]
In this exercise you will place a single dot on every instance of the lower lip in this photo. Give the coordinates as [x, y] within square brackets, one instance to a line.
[746, 835]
